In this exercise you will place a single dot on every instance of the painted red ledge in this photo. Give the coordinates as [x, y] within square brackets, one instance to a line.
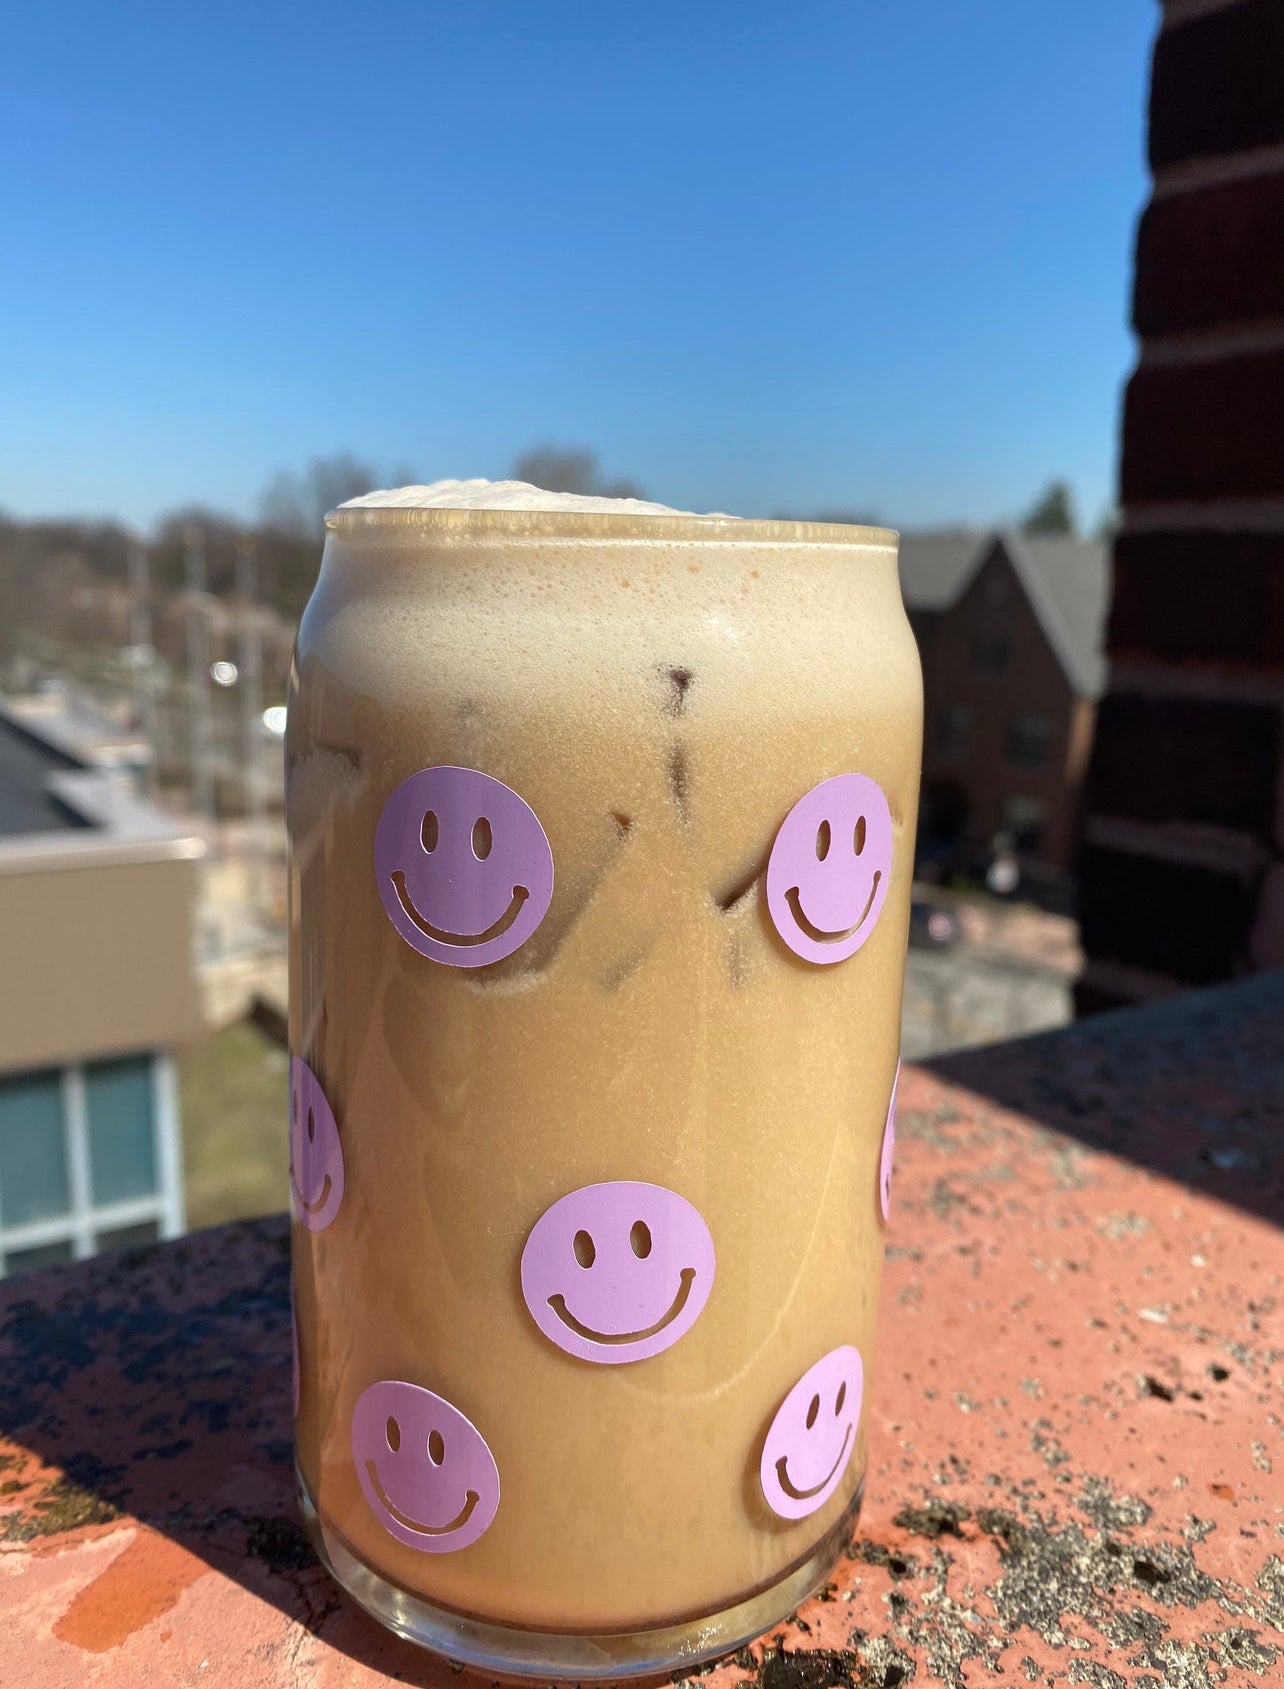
[1075, 1454]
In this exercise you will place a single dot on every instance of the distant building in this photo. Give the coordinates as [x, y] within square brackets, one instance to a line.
[1010, 630]
[99, 613]
[97, 899]
[70, 724]
[224, 628]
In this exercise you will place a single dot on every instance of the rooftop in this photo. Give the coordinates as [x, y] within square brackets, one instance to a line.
[28, 803]
[1073, 1452]
[65, 791]
[1067, 582]
[936, 566]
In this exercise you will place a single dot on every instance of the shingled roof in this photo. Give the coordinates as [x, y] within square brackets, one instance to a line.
[936, 566]
[1067, 582]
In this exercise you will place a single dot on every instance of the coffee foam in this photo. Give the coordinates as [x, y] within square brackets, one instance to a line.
[503, 495]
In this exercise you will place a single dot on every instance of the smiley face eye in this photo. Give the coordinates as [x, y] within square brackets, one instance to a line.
[812, 1411]
[840, 1398]
[858, 840]
[436, 1447]
[585, 1253]
[482, 839]
[822, 841]
[429, 831]
[294, 1106]
[312, 1127]
[640, 1239]
[392, 1431]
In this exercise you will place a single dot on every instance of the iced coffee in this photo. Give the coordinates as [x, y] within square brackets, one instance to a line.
[601, 824]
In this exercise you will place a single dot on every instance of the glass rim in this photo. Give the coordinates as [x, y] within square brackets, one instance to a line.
[442, 522]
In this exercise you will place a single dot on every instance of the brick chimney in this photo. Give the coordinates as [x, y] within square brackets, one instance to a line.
[1182, 869]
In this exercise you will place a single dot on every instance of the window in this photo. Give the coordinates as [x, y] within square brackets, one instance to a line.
[991, 652]
[952, 724]
[1029, 740]
[34, 1181]
[88, 1161]
[1023, 820]
[122, 1133]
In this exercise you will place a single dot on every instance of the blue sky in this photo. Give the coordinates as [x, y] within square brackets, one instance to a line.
[857, 253]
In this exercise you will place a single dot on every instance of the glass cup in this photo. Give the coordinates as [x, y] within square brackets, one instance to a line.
[601, 837]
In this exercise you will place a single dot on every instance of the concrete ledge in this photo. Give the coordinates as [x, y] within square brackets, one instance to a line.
[1073, 1467]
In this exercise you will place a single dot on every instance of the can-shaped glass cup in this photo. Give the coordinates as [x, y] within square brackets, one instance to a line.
[601, 838]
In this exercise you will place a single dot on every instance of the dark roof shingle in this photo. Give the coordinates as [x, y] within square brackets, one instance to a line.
[1067, 582]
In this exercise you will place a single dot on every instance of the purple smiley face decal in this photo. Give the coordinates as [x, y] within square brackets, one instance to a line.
[464, 868]
[888, 1152]
[617, 1272]
[316, 1155]
[426, 1471]
[813, 1434]
[829, 868]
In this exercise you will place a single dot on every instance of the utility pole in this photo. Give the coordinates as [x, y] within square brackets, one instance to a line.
[198, 672]
[251, 678]
[140, 637]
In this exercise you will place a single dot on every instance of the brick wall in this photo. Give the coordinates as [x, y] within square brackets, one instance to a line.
[1182, 872]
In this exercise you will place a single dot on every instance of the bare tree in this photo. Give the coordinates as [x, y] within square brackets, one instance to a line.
[560, 469]
[297, 504]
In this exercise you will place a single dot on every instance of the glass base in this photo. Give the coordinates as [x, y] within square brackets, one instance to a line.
[508, 1651]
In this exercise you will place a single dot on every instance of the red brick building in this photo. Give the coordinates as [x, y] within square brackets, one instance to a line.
[1182, 875]
[1010, 630]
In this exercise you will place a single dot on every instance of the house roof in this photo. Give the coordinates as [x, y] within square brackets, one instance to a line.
[28, 803]
[58, 807]
[1067, 582]
[936, 566]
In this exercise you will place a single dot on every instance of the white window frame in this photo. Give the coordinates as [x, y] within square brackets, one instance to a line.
[82, 1225]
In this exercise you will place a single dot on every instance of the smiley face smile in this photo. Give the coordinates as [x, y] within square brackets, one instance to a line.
[814, 1434]
[461, 1518]
[316, 1152]
[615, 1250]
[319, 1204]
[410, 1443]
[558, 1305]
[831, 857]
[440, 935]
[818, 935]
[455, 848]
[815, 1489]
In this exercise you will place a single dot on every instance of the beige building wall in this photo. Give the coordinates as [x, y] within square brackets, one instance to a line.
[95, 949]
